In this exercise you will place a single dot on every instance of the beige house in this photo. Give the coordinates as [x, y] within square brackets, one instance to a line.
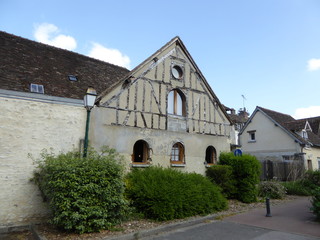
[284, 145]
[163, 112]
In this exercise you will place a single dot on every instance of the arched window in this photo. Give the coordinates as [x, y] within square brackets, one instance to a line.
[211, 155]
[176, 103]
[177, 154]
[140, 152]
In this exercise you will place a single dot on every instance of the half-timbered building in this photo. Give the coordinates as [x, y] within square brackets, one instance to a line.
[163, 112]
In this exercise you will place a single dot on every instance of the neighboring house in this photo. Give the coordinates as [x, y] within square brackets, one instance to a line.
[284, 145]
[163, 112]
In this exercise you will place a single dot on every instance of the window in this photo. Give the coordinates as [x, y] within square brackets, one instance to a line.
[211, 155]
[318, 163]
[304, 134]
[177, 72]
[310, 165]
[140, 152]
[176, 103]
[177, 154]
[252, 136]
[36, 88]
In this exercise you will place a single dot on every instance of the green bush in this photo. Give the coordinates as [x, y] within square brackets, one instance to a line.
[165, 194]
[271, 189]
[222, 175]
[316, 203]
[296, 188]
[84, 194]
[246, 170]
[304, 186]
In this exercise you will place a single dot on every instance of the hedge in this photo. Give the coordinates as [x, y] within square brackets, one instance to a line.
[84, 194]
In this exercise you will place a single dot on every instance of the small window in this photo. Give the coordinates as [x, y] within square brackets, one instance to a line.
[177, 72]
[304, 134]
[176, 103]
[36, 88]
[140, 152]
[211, 155]
[252, 136]
[177, 154]
[72, 78]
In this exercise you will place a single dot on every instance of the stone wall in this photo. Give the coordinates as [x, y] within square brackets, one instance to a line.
[30, 123]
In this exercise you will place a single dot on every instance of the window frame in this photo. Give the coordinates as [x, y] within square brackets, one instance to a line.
[252, 136]
[145, 159]
[177, 147]
[176, 103]
[212, 154]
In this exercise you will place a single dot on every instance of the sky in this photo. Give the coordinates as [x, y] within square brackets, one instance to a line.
[252, 52]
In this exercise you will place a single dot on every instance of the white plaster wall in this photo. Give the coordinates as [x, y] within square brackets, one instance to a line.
[269, 138]
[160, 141]
[28, 127]
[312, 154]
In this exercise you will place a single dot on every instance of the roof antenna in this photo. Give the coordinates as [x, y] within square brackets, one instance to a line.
[243, 99]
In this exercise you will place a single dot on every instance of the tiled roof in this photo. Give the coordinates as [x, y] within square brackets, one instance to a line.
[23, 62]
[277, 116]
[293, 126]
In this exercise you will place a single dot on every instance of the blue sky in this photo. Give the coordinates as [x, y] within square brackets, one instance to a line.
[265, 50]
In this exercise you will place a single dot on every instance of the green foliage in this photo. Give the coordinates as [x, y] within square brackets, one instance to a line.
[271, 189]
[311, 180]
[84, 194]
[316, 202]
[246, 171]
[222, 175]
[295, 188]
[165, 194]
[304, 186]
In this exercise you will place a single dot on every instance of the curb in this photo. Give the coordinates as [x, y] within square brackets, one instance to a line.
[162, 229]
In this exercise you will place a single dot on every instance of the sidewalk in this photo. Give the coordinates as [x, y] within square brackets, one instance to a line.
[292, 217]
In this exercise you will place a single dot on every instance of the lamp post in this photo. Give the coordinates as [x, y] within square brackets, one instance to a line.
[89, 100]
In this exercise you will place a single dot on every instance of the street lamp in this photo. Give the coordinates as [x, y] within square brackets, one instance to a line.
[89, 100]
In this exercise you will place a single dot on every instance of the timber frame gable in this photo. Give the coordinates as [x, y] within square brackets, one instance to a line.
[142, 98]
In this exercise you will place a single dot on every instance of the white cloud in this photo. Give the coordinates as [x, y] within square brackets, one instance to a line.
[314, 64]
[312, 111]
[50, 34]
[109, 55]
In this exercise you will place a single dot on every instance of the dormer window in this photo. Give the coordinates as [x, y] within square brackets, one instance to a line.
[36, 88]
[304, 134]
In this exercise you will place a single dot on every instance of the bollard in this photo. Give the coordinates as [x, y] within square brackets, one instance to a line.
[268, 207]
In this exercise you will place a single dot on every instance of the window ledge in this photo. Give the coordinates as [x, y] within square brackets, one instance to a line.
[209, 165]
[140, 165]
[251, 141]
[181, 117]
[178, 164]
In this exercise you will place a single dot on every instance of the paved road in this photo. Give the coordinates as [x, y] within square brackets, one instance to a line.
[222, 230]
[290, 221]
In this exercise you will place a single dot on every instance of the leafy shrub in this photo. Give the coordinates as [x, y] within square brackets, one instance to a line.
[271, 189]
[84, 194]
[311, 180]
[246, 170]
[165, 194]
[316, 202]
[304, 186]
[295, 188]
[222, 175]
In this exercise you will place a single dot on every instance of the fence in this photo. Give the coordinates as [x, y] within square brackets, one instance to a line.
[283, 171]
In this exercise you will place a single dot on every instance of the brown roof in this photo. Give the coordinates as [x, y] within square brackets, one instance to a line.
[23, 62]
[293, 126]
